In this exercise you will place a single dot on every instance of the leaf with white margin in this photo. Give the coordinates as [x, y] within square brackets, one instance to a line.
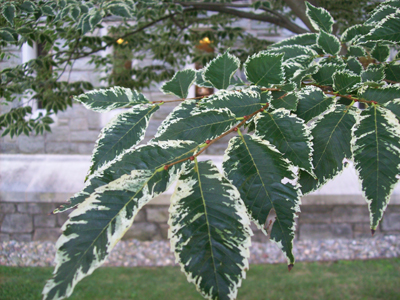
[286, 100]
[305, 39]
[104, 100]
[240, 103]
[328, 42]
[331, 144]
[356, 51]
[387, 30]
[380, 52]
[198, 127]
[354, 65]
[319, 17]
[209, 231]
[394, 107]
[345, 82]
[374, 73]
[257, 169]
[161, 153]
[300, 74]
[379, 14]
[288, 134]
[381, 95]
[121, 133]
[264, 69]
[292, 52]
[392, 72]
[354, 32]
[200, 80]
[98, 223]
[220, 70]
[325, 73]
[312, 103]
[376, 150]
[179, 84]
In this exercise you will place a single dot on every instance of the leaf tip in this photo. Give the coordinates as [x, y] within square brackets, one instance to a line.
[290, 267]
[373, 231]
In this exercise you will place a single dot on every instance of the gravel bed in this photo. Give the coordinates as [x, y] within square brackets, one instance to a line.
[157, 253]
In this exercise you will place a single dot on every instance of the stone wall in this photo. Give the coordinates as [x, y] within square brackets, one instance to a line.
[32, 221]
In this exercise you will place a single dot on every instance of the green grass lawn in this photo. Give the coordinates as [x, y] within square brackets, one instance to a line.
[374, 279]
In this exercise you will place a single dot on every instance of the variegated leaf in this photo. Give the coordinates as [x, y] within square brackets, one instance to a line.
[376, 150]
[292, 52]
[324, 75]
[286, 100]
[264, 69]
[345, 82]
[373, 73]
[220, 70]
[120, 134]
[379, 14]
[200, 80]
[380, 52]
[305, 39]
[394, 107]
[151, 156]
[387, 30]
[328, 42]
[209, 231]
[8, 12]
[381, 95]
[241, 103]
[352, 33]
[258, 170]
[312, 103]
[392, 72]
[319, 17]
[198, 127]
[98, 223]
[356, 51]
[331, 143]
[104, 100]
[288, 134]
[354, 65]
[179, 84]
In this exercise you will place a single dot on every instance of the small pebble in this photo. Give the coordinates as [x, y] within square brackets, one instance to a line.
[134, 253]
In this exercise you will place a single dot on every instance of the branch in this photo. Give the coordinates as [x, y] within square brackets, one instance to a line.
[298, 7]
[279, 21]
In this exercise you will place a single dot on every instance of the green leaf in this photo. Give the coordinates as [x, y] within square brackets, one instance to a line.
[354, 65]
[120, 10]
[264, 69]
[331, 139]
[9, 13]
[220, 70]
[288, 134]
[387, 30]
[376, 148]
[382, 12]
[198, 127]
[284, 100]
[351, 34]
[179, 84]
[133, 159]
[345, 82]
[312, 103]
[210, 231]
[319, 17]
[241, 103]
[108, 99]
[120, 134]
[381, 95]
[28, 6]
[374, 73]
[328, 42]
[48, 10]
[392, 72]
[258, 170]
[200, 80]
[380, 52]
[324, 75]
[98, 223]
[356, 51]
[305, 39]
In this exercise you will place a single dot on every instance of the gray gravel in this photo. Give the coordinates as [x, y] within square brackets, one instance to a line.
[157, 253]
